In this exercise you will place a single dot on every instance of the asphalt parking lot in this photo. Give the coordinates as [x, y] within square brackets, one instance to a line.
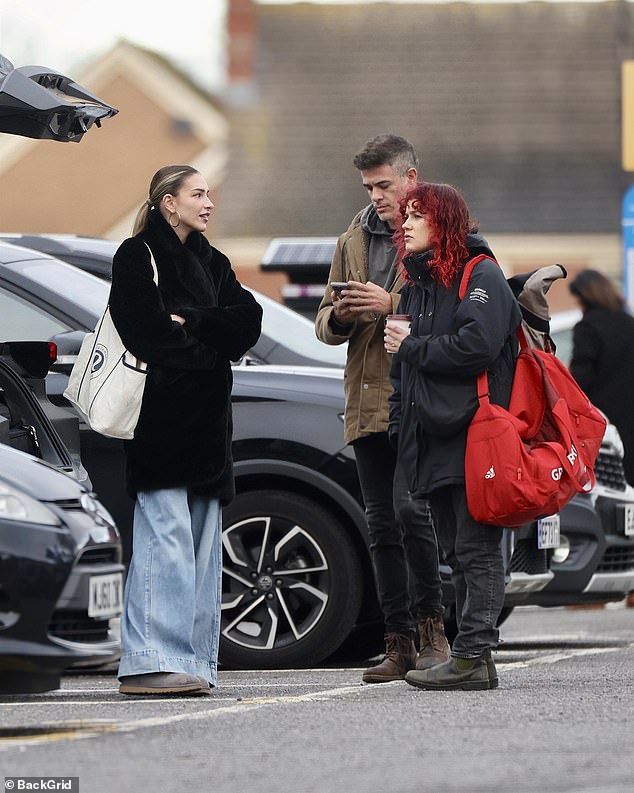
[559, 722]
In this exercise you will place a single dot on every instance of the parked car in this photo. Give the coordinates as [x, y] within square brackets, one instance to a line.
[297, 575]
[296, 486]
[561, 325]
[39, 102]
[594, 562]
[274, 453]
[60, 555]
[61, 574]
[287, 337]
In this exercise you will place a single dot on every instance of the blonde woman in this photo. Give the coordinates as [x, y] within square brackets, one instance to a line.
[188, 328]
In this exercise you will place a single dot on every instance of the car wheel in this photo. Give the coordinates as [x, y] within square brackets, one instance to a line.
[291, 582]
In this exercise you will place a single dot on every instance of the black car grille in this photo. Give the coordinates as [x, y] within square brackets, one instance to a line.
[70, 504]
[617, 559]
[77, 626]
[98, 555]
[609, 471]
[528, 558]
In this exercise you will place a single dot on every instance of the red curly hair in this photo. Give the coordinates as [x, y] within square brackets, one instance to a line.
[448, 217]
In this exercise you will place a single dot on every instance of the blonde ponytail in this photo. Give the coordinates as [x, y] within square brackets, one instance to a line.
[166, 180]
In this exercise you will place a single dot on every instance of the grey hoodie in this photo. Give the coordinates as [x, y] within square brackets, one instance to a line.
[381, 249]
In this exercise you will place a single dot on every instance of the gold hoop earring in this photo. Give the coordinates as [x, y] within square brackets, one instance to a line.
[178, 222]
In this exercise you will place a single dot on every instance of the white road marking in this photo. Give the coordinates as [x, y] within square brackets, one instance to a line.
[554, 658]
[76, 730]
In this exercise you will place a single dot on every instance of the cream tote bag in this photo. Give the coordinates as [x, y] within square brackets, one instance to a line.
[106, 383]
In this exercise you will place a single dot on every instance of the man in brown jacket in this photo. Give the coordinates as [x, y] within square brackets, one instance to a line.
[402, 538]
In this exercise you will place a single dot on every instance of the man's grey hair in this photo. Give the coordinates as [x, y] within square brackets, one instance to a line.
[387, 150]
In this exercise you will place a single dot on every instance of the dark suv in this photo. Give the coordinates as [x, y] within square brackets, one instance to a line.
[297, 580]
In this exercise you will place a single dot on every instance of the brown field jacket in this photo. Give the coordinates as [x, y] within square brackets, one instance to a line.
[367, 381]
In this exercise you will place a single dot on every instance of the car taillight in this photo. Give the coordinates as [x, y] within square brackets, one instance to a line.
[52, 352]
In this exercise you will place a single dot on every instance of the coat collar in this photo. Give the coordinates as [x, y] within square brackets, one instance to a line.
[183, 267]
[417, 266]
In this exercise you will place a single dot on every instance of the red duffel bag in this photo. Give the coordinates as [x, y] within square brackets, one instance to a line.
[527, 462]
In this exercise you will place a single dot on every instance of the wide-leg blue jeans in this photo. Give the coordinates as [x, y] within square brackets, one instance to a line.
[171, 616]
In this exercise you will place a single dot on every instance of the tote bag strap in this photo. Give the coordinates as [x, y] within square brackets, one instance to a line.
[155, 276]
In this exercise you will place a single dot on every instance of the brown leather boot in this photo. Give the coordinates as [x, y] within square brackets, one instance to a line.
[400, 657]
[433, 644]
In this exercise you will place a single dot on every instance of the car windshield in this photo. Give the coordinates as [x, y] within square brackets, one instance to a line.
[77, 286]
[290, 328]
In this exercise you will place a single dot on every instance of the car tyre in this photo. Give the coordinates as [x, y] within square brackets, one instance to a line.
[292, 584]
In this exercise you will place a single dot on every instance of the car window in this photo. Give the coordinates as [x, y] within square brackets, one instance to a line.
[294, 331]
[561, 328]
[79, 287]
[563, 342]
[21, 321]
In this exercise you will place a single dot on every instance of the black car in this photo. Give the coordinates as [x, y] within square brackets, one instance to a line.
[297, 575]
[299, 504]
[296, 482]
[594, 561]
[39, 102]
[286, 338]
[61, 574]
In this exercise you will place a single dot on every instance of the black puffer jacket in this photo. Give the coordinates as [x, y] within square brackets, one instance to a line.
[434, 373]
[183, 437]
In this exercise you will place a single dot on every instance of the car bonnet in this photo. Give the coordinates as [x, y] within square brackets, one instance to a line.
[36, 477]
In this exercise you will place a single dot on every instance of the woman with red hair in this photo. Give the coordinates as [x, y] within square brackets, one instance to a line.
[434, 371]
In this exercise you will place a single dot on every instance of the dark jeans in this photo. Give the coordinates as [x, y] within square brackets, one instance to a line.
[402, 538]
[473, 550]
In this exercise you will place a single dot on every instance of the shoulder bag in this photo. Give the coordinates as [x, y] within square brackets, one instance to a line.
[527, 462]
[106, 383]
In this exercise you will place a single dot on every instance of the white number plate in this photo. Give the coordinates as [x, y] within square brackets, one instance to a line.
[628, 524]
[106, 595]
[548, 532]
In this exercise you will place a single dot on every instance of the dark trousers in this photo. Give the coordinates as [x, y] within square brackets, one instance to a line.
[402, 538]
[474, 552]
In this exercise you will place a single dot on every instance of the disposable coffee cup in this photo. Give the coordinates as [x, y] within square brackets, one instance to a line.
[399, 321]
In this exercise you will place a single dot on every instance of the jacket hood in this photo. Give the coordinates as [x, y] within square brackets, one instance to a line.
[372, 223]
[477, 244]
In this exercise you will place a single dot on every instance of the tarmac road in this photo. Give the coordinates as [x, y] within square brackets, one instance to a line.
[560, 721]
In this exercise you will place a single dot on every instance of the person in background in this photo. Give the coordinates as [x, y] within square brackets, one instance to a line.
[402, 538]
[188, 328]
[602, 359]
[434, 372]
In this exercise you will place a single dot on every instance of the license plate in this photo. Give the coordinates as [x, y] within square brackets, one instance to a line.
[628, 519]
[105, 595]
[548, 532]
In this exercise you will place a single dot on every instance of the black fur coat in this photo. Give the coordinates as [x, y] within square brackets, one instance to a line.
[183, 438]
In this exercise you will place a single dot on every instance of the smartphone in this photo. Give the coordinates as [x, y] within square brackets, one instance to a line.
[337, 286]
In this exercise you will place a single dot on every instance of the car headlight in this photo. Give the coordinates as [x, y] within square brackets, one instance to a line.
[612, 441]
[17, 505]
[92, 504]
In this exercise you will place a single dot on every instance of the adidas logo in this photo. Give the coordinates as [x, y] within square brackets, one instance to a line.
[490, 473]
